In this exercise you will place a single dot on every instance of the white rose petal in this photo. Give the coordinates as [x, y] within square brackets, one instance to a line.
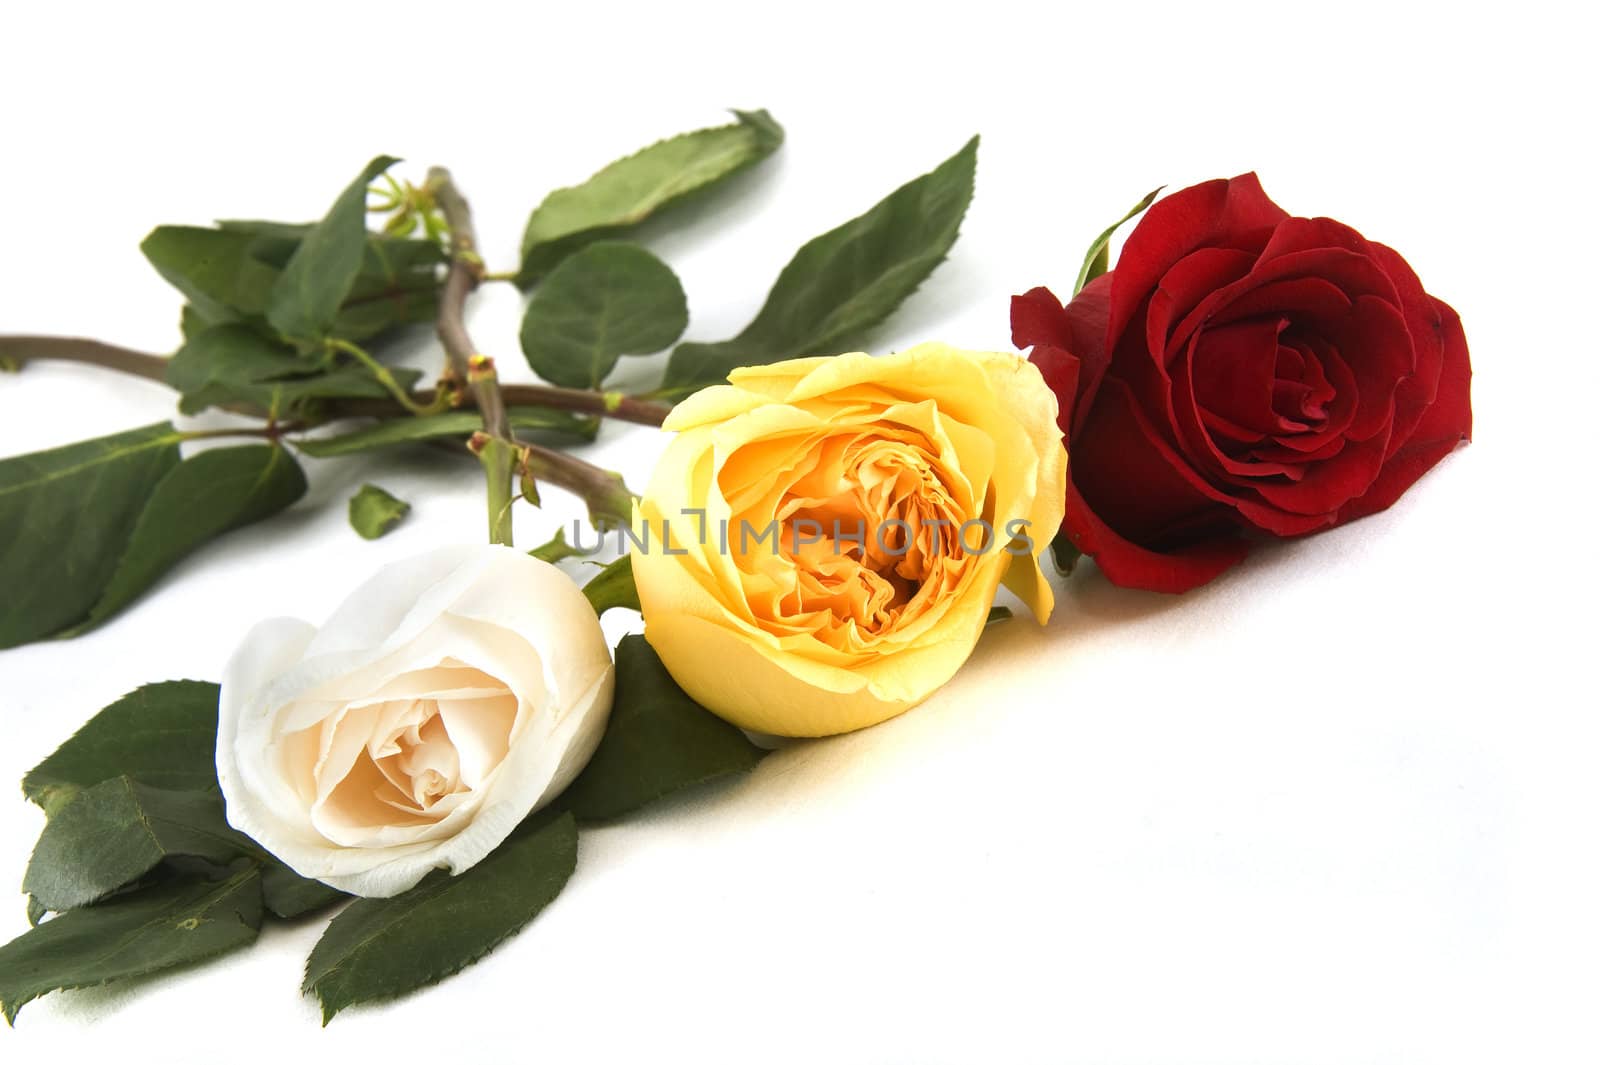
[450, 696]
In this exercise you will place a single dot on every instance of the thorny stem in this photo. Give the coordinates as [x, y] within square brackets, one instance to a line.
[467, 364]
[607, 496]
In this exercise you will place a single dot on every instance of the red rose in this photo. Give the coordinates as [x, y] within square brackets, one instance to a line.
[1241, 373]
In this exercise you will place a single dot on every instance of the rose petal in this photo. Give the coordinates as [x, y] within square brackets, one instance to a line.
[1198, 216]
[1442, 428]
[1130, 478]
[1037, 317]
[1128, 565]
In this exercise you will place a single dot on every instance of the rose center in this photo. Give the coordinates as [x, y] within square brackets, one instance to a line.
[867, 531]
[424, 765]
[415, 750]
[1264, 388]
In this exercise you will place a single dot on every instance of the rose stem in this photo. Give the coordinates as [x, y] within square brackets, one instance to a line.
[577, 400]
[496, 450]
[21, 350]
[609, 501]
[597, 487]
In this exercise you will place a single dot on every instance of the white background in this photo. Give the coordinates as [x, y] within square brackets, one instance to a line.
[1339, 806]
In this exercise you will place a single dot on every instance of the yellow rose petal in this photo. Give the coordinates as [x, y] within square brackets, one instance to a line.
[839, 527]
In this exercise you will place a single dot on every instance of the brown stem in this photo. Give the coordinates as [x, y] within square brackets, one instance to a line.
[550, 397]
[604, 492]
[466, 271]
[608, 499]
[607, 496]
[22, 349]
[611, 405]
[496, 450]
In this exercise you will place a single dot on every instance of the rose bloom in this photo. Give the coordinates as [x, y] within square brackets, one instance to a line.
[446, 699]
[1242, 373]
[859, 604]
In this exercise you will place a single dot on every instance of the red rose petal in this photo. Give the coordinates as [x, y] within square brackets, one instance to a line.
[1328, 485]
[1191, 281]
[1376, 345]
[1415, 394]
[1281, 523]
[1231, 475]
[1345, 271]
[1233, 371]
[1128, 473]
[1079, 329]
[1130, 566]
[1193, 218]
[1304, 234]
[1313, 303]
[1060, 370]
[1037, 317]
[1445, 424]
[1334, 387]
[1086, 324]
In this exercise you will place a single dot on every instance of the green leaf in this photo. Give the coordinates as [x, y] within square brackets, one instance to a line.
[115, 832]
[398, 284]
[399, 431]
[613, 587]
[606, 301]
[374, 512]
[632, 189]
[1098, 258]
[657, 741]
[66, 516]
[163, 735]
[844, 282]
[191, 323]
[36, 912]
[274, 243]
[289, 895]
[380, 948]
[228, 275]
[305, 299]
[555, 549]
[134, 935]
[214, 269]
[997, 614]
[233, 365]
[203, 497]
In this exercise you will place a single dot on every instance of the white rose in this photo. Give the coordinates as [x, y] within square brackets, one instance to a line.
[446, 699]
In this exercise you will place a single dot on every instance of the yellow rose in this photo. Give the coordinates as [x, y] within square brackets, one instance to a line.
[877, 478]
